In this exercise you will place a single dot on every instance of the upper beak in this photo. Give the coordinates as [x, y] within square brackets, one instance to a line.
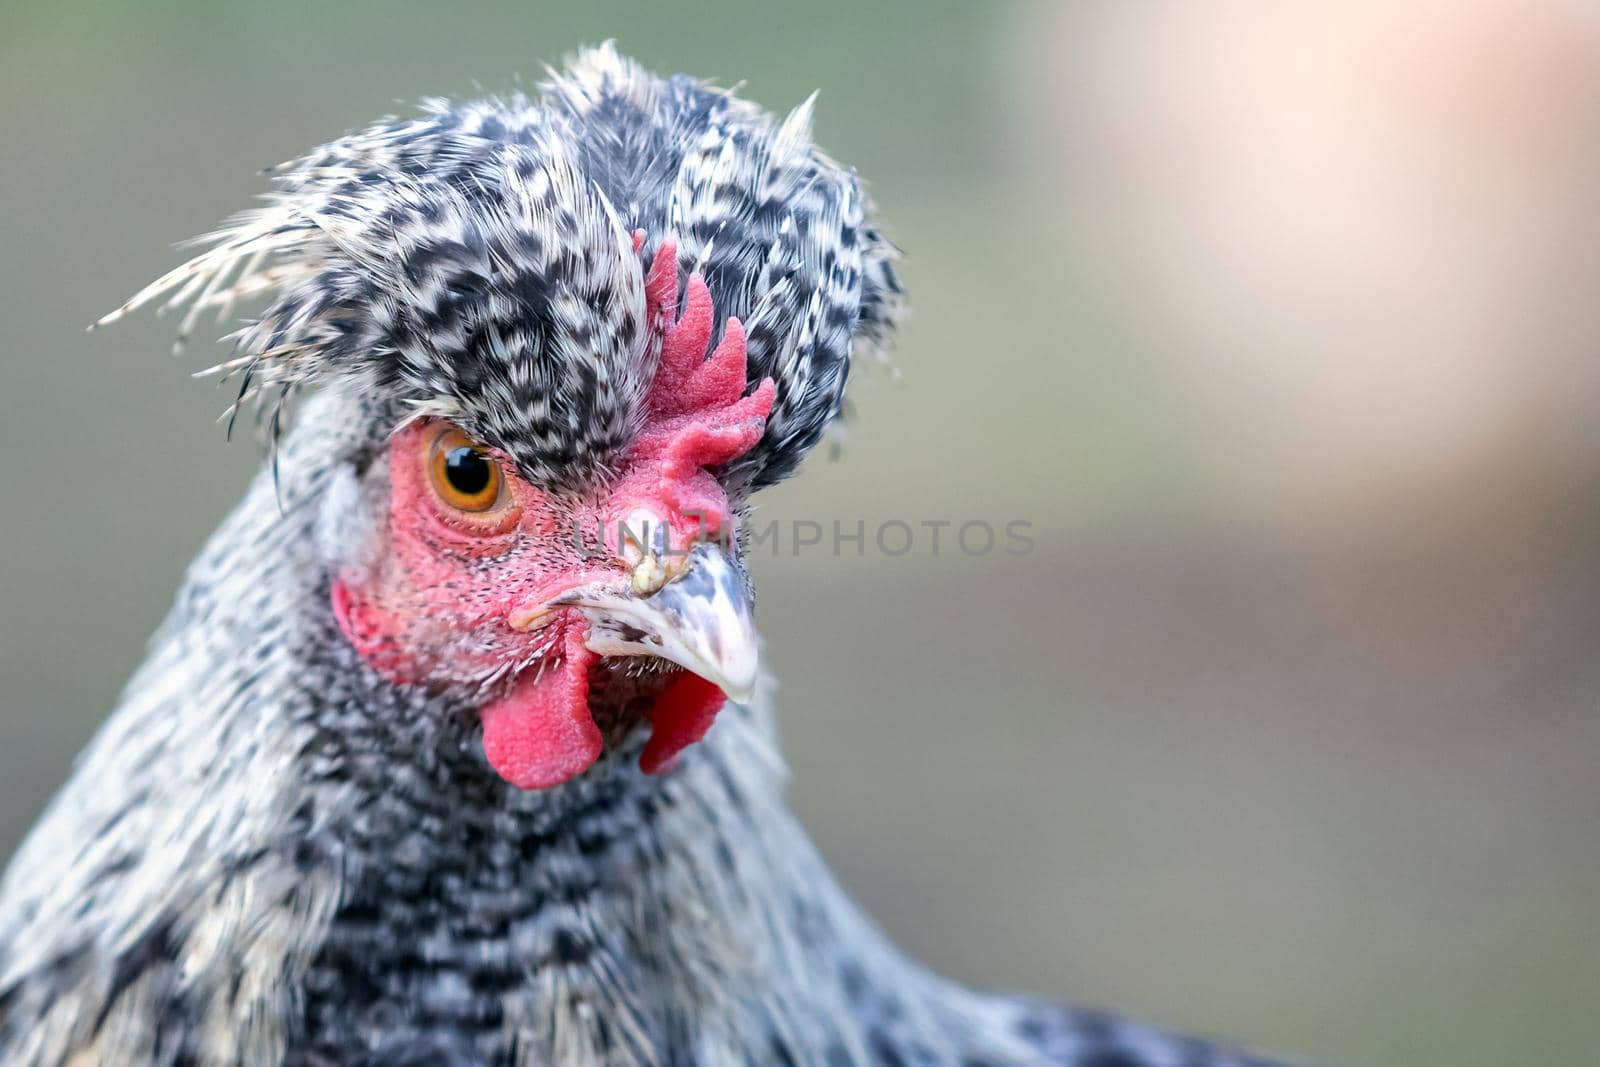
[701, 621]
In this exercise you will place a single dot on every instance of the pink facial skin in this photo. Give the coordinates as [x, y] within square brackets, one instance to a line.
[436, 608]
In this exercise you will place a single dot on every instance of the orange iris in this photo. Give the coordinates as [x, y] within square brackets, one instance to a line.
[463, 473]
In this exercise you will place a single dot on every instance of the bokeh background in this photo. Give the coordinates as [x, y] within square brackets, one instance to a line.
[1276, 320]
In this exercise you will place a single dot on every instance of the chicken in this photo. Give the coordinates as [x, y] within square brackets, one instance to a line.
[421, 768]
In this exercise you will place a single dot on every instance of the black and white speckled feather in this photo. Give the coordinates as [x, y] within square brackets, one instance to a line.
[477, 262]
[271, 855]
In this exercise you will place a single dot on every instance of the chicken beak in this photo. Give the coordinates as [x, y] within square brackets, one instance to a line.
[701, 620]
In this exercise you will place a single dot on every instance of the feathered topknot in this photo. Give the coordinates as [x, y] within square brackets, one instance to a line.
[477, 262]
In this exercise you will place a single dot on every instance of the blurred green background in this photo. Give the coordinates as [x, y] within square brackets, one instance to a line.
[1277, 321]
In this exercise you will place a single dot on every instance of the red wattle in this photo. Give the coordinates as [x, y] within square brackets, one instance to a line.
[541, 733]
[681, 716]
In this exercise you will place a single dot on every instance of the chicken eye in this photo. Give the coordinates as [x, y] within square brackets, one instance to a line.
[463, 473]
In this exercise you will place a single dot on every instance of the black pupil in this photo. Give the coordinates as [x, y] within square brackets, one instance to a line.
[467, 470]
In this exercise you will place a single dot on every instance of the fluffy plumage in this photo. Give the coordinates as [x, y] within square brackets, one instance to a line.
[476, 262]
[273, 854]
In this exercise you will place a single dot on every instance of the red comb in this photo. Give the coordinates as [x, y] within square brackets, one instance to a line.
[697, 412]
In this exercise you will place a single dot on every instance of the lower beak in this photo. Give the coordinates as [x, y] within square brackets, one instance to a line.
[701, 621]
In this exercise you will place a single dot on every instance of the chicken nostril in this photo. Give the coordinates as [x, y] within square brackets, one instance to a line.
[643, 544]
